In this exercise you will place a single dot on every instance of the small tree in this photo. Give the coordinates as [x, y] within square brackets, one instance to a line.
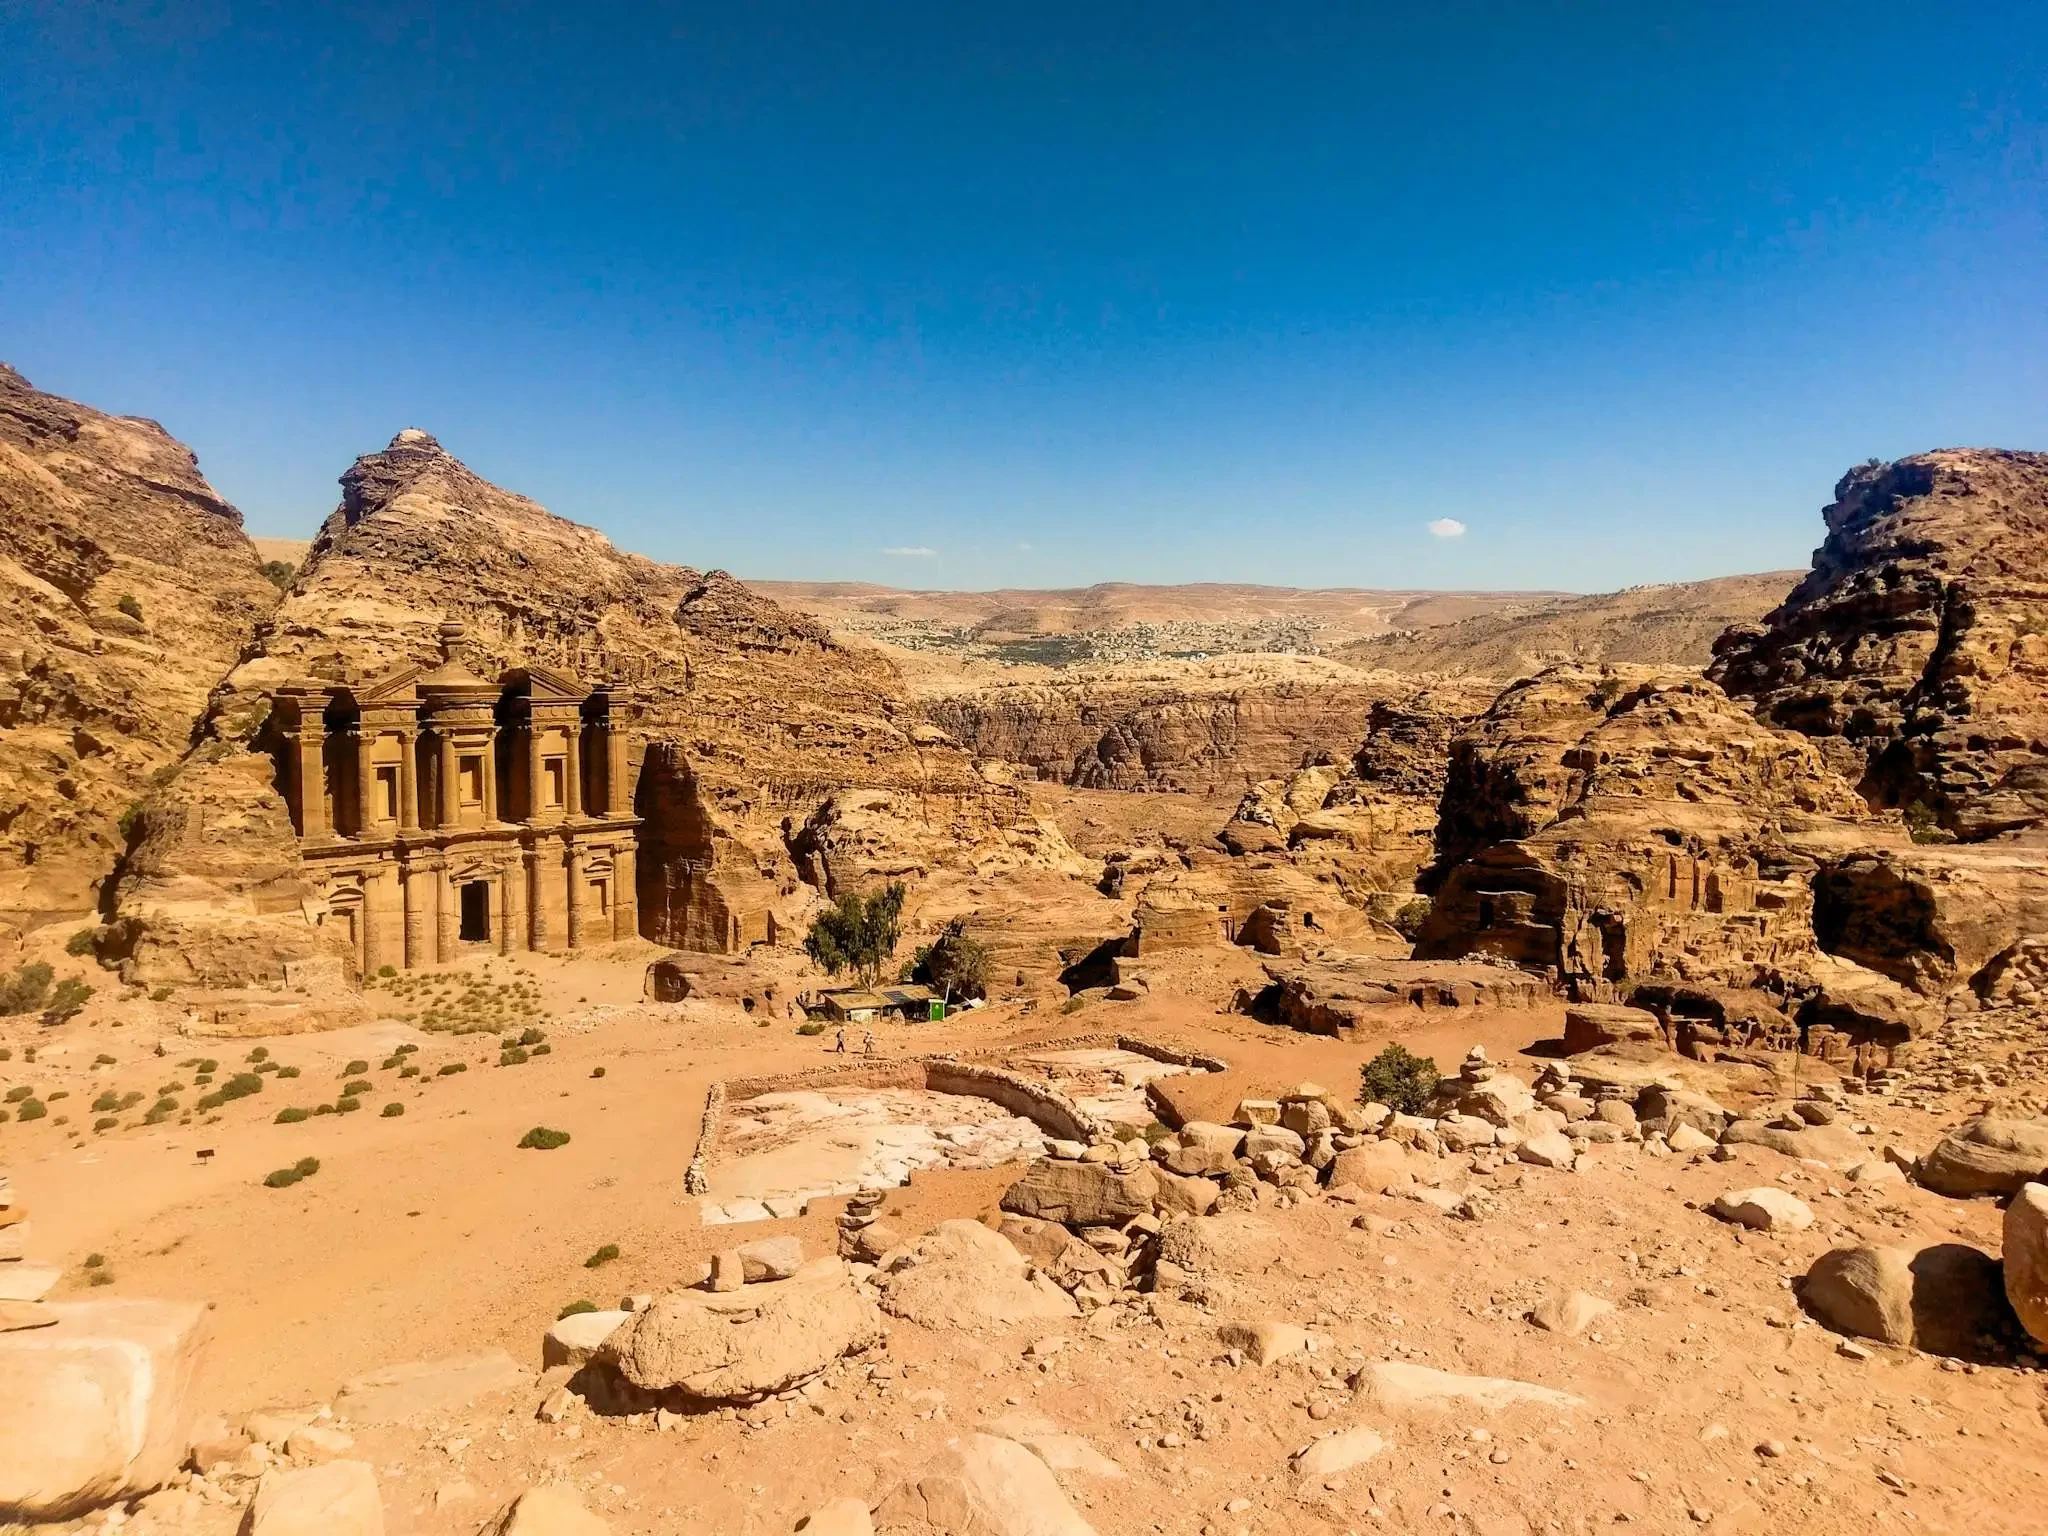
[26, 990]
[858, 933]
[1399, 1079]
[953, 963]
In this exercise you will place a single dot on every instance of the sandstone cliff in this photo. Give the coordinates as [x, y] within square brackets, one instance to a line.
[127, 588]
[1916, 650]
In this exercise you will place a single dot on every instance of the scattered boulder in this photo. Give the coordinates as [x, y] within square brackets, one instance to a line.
[771, 1258]
[1376, 1167]
[1946, 1299]
[550, 1511]
[575, 1338]
[1588, 1026]
[2026, 1258]
[1990, 1155]
[962, 1275]
[1823, 1143]
[96, 1405]
[1083, 1194]
[1765, 1209]
[1685, 1138]
[1186, 1196]
[1548, 1149]
[740, 1345]
[1053, 1446]
[1571, 1313]
[338, 1499]
[1264, 1342]
[1334, 1455]
[982, 1486]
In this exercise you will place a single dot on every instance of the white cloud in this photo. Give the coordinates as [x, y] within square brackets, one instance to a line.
[1447, 528]
[913, 551]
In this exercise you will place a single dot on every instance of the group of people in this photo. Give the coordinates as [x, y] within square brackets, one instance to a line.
[867, 1046]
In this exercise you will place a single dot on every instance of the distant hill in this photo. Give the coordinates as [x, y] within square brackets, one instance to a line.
[1672, 624]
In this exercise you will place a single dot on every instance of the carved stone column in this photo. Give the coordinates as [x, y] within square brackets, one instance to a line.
[445, 791]
[625, 896]
[615, 802]
[575, 893]
[365, 821]
[448, 923]
[508, 887]
[536, 779]
[408, 789]
[421, 914]
[572, 789]
[491, 778]
[309, 744]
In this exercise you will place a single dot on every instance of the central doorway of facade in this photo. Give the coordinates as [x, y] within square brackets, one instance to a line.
[476, 912]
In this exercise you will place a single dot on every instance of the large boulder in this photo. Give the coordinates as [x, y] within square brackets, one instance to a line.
[736, 1346]
[1946, 1299]
[1083, 1194]
[1989, 1155]
[1588, 1026]
[552, 1510]
[982, 1486]
[338, 1499]
[96, 1405]
[575, 1338]
[962, 1275]
[1765, 1208]
[2026, 1258]
[1376, 1167]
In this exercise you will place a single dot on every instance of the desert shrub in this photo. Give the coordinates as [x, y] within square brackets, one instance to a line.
[287, 1071]
[26, 990]
[543, 1049]
[94, 1261]
[280, 573]
[106, 1122]
[597, 1071]
[541, 1139]
[100, 1277]
[355, 1069]
[408, 1071]
[106, 1101]
[323, 1109]
[954, 963]
[16, 1095]
[450, 1068]
[56, 1094]
[160, 995]
[281, 1178]
[511, 1058]
[393, 1111]
[208, 1065]
[261, 1053]
[348, 1106]
[160, 1111]
[70, 995]
[387, 971]
[602, 1257]
[31, 1109]
[1410, 916]
[858, 933]
[1399, 1079]
[815, 1027]
[530, 1036]
[6, 1053]
[291, 1115]
[130, 606]
[1923, 826]
[355, 1086]
[265, 1066]
[80, 943]
[576, 1309]
[389, 1062]
[103, 1060]
[404, 1050]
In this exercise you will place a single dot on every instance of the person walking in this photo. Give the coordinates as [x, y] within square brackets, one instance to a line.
[868, 1045]
[840, 1048]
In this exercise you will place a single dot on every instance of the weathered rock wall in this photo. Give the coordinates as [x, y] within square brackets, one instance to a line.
[1916, 651]
[127, 588]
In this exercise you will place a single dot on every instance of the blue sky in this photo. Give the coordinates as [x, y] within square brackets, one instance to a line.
[1052, 293]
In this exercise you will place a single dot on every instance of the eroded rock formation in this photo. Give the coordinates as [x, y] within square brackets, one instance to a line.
[127, 588]
[1915, 651]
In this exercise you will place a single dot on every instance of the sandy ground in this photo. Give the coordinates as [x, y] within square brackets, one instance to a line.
[432, 1233]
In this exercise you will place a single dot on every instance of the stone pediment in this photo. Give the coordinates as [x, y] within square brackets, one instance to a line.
[545, 687]
[400, 687]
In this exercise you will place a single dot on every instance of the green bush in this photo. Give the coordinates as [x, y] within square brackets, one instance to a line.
[602, 1257]
[858, 933]
[106, 1122]
[597, 1071]
[348, 1106]
[1410, 916]
[576, 1308]
[31, 1109]
[541, 1139]
[511, 1058]
[284, 1178]
[80, 943]
[70, 996]
[208, 1065]
[393, 1111]
[408, 1071]
[1923, 825]
[387, 971]
[389, 1062]
[356, 1086]
[103, 1060]
[355, 1069]
[261, 1053]
[450, 1068]
[543, 1049]
[26, 990]
[815, 1027]
[530, 1036]
[287, 1071]
[323, 1109]
[16, 1095]
[106, 1101]
[130, 606]
[1399, 1079]
[291, 1116]
[954, 963]
[94, 1261]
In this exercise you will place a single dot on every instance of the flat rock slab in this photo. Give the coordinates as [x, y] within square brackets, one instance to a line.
[428, 1386]
[1765, 1209]
[28, 1282]
[984, 1485]
[339, 1499]
[549, 1511]
[575, 1338]
[1399, 1385]
[1052, 1445]
[1264, 1342]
